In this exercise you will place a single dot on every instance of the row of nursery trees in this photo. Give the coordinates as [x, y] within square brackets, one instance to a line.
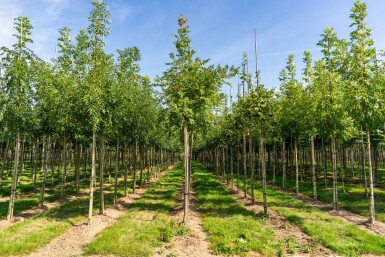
[326, 124]
[86, 109]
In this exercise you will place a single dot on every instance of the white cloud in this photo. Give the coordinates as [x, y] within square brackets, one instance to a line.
[8, 12]
[53, 8]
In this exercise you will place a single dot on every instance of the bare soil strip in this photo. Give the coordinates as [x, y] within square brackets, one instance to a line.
[283, 228]
[194, 243]
[352, 218]
[71, 243]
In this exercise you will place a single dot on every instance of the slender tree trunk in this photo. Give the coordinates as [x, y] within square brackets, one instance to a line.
[101, 161]
[252, 174]
[231, 168]
[14, 178]
[283, 166]
[263, 166]
[136, 165]
[93, 175]
[313, 164]
[77, 167]
[116, 173]
[325, 164]
[296, 166]
[33, 161]
[372, 217]
[187, 174]
[125, 170]
[64, 175]
[244, 166]
[5, 161]
[274, 161]
[334, 165]
[46, 165]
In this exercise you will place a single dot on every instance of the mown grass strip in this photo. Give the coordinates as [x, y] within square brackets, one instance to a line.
[230, 227]
[147, 223]
[353, 200]
[333, 233]
[32, 234]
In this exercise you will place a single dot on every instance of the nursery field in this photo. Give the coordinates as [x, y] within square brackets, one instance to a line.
[199, 157]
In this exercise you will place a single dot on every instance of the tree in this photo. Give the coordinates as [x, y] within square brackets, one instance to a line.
[191, 89]
[362, 86]
[93, 99]
[18, 63]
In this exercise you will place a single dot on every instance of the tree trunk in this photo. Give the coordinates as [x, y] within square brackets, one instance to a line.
[33, 161]
[263, 166]
[93, 175]
[64, 175]
[46, 165]
[334, 165]
[296, 166]
[372, 217]
[252, 174]
[125, 169]
[187, 174]
[77, 166]
[116, 173]
[14, 178]
[313, 164]
[101, 163]
[283, 166]
[244, 166]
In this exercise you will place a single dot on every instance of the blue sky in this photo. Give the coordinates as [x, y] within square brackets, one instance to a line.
[220, 29]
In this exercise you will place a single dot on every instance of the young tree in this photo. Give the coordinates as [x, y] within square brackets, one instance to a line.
[93, 97]
[18, 62]
[362, 86]
[191, 88]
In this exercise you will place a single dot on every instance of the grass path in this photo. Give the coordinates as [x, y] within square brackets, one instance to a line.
[29, 235]
[194, 243]
[147, 224]
[73, 241]
[230, 227]
[343, 238]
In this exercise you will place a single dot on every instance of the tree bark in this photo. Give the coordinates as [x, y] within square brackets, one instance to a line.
[334, 165]
[296, 165]
[46, 165]
[14, 178]
[263, 166]
[116, 173]
[101, 163]
[187, 174]
[283, 166]
[313, 164]
[372, 217]
[93, 175]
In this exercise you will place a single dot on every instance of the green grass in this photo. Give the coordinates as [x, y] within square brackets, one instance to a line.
[32, 234]
[230, 227]
[147, 223]
[333, 233]
[353, 200]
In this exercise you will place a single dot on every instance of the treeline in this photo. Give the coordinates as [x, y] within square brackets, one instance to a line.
[82, 115]
[328, 124]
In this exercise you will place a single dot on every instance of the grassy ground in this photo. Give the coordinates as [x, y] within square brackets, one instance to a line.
[147, 223]
[230, 227]
[27, 236]
[341, 237]
[353, 199]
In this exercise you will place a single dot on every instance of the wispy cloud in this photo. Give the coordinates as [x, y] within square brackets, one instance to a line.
[53, 8]
[8, 12]
[289, 52]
